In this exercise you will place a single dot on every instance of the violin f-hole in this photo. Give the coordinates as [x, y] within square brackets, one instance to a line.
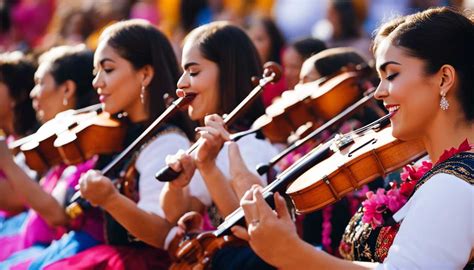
[371, 141]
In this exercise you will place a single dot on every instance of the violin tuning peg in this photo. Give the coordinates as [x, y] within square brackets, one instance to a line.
[272, 67]
[168, 99]
[254, 81]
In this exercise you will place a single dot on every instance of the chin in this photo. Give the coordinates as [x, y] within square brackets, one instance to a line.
[404, 135]
[108, 108]
[193, 114]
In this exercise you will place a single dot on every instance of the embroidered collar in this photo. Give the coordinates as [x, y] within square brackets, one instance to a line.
[381, 205]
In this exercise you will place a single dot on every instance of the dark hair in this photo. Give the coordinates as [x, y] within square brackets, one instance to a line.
[74, 63]
[5, 16]
[237, 59]
[277, 41]
[308, 46]
[141, 43]
[348, 18]
[17, 73]
[330, 61]
[189, 13]
[437, 36]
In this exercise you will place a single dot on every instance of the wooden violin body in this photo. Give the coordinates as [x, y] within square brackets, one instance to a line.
[315, 101]
[197, 253]
[97, 134]
[321, 177]
[374, 154]
[38, 148]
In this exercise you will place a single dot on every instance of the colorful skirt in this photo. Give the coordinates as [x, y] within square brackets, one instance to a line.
[37, 256]
[117, 258]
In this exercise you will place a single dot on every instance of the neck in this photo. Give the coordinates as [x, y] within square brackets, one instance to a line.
[447, 134]
[137, 112]
[7, 125]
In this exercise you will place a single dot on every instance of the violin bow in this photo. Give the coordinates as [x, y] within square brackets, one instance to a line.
[272, 73]
[77, 203]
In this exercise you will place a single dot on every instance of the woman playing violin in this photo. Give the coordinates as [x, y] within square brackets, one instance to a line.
[427, 90]
[134, 67]
[17, 118]
[218, 61]
[210, 73]
[58, 87]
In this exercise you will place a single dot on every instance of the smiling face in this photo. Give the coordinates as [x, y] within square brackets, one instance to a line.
[407, 91]
[48, 96]
[200, 77]
[117, 83]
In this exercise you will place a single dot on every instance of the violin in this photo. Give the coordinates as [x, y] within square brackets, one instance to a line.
[77, 204]
[357, 161]
[312, 134]
[271, 74]
[370, 151]
[93, 134]
[38, 148]
[316, 101]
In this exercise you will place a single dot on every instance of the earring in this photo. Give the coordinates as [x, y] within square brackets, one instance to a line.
[443, 103]
[65, 102]
[142, 95]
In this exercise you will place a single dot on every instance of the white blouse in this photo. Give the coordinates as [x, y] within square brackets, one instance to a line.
[437, 231]
[150, 160]
[254, 152]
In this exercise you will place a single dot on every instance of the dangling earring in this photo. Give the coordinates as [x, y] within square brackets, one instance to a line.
[443, 103]
[65, 102]
[142, 95]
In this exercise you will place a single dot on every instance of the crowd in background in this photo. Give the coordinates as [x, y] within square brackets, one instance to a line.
[289, 32]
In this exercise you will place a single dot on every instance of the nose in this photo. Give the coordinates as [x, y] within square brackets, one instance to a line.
[97, 82]
[381, 91]
[34, 92]
[183, 81]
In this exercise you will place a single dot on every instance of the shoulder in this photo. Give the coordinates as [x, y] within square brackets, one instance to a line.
[169, 140]
[441, 191]
[252, 144]
[436, 231]
[444, 184]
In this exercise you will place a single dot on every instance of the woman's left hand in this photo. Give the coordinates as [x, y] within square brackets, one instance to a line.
[268, 232]
[213, 136]
[96, 188]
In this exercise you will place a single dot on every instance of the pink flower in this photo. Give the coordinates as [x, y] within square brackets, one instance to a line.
[383, 202]
[464, 146]
[374, 207]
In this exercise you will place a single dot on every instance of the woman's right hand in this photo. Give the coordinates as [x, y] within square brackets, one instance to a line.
[184, 164]
[213, 135]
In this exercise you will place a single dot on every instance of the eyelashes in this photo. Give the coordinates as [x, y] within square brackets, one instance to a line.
[391, 77]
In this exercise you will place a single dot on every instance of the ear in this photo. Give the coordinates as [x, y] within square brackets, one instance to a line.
[448, 75]
[148, 73]
[69, 89]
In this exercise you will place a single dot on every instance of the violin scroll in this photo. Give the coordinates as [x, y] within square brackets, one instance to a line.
[273, 70]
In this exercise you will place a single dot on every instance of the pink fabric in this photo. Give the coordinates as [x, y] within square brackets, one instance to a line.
[31, 18]
[115, 257]
[92, 221]
[36, 230]
[272, 91]
[146, 11]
